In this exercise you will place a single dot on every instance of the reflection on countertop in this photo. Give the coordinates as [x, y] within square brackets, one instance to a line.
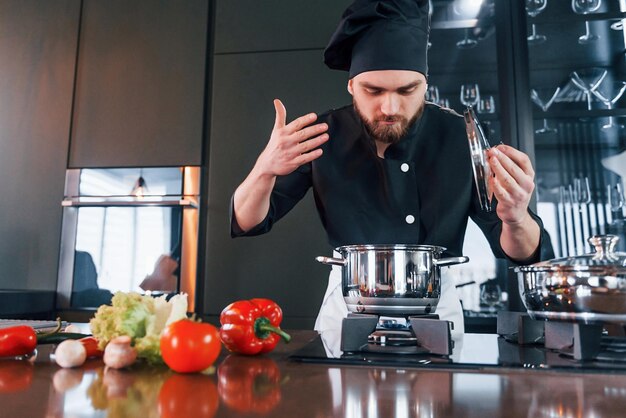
[275, 386]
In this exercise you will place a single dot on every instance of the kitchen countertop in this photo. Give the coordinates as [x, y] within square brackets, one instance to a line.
[274, 385]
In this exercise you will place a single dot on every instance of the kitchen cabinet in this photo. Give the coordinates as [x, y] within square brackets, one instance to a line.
[520, 53]
[577, 78]
[140, 84]
[37, 55]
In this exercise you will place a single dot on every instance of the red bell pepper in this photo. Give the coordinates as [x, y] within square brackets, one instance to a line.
[21, 340]
[252, 326]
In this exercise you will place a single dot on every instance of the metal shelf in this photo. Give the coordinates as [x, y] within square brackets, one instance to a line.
[128, 202]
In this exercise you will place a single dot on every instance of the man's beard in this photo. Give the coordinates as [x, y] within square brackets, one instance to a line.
[388, 134]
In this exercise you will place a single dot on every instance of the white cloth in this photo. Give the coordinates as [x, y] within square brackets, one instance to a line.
[449, 306]
[334, 307]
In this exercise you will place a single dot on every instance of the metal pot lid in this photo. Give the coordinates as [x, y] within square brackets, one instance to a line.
[604, 261]
[390, 247]
[478, 146]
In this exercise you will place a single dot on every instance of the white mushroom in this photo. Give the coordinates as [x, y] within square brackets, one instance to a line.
[70, 353]
[73, 329]
[118, 353]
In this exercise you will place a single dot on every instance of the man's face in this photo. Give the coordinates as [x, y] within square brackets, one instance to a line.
[388, 101]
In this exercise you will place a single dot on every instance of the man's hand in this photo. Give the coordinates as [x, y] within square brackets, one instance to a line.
[291, 145]
[513, 185]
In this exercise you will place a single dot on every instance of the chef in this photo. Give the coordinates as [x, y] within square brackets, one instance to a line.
[390, 168]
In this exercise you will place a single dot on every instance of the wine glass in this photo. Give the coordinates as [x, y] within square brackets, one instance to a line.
[533, 8]
[486, 104]
[584, 7]
[432, 93]
[470, 94]
[587, 80]
[490, 295]
[466, 42]
[544, 99]
[610, 92]
[615, 197]
[581, 193]
[444, 103]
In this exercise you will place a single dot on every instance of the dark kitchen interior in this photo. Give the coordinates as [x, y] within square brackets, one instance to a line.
[147, 84]
[164, 84]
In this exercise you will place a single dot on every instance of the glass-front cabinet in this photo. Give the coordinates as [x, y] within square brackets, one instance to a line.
[577, 81]
[549, 78]
[464, 71]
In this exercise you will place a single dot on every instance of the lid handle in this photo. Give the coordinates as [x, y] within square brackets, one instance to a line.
[604, 245]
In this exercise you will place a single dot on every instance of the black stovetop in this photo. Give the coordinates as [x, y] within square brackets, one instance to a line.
[471, 351]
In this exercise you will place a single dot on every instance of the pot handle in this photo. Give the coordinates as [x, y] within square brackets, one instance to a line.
[440, 262]
[332, 261]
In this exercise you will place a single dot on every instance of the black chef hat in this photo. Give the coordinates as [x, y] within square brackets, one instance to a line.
[381, 35]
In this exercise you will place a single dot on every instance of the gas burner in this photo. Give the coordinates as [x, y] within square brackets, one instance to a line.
[581, 342]
[415, 335]
[392, 338]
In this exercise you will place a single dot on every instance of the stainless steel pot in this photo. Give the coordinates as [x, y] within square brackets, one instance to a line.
[590, 288]
[396, 280]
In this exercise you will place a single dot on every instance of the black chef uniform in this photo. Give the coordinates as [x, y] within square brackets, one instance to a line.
[422, 192]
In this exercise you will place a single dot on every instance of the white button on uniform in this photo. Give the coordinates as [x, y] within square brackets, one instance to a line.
[404, 167]
[409, 219]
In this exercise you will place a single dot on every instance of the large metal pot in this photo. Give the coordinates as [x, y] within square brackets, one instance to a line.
[590, 288]
[396, 280]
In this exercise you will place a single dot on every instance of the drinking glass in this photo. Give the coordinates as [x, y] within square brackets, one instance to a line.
[487, 104]
[584, 7]
[581, 192]
[470, 94]
[490, 295]
[544, 99]
[533, 8]
[444, 103]
[432, 93]
[466, 42]
[615, 197]
[610, 92]
[587, 80]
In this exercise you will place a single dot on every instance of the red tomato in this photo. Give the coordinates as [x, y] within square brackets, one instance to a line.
[188, 396]
[188, 346]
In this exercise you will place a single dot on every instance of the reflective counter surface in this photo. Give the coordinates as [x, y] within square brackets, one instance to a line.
[278, 386]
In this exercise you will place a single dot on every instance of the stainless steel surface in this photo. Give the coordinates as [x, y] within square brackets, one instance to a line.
[450, 261]
[119, 201]
[394, 280]
[479, 145]
[589, 288]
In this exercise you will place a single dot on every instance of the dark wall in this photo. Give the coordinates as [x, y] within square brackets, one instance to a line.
[266, 50]
[37, 56]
